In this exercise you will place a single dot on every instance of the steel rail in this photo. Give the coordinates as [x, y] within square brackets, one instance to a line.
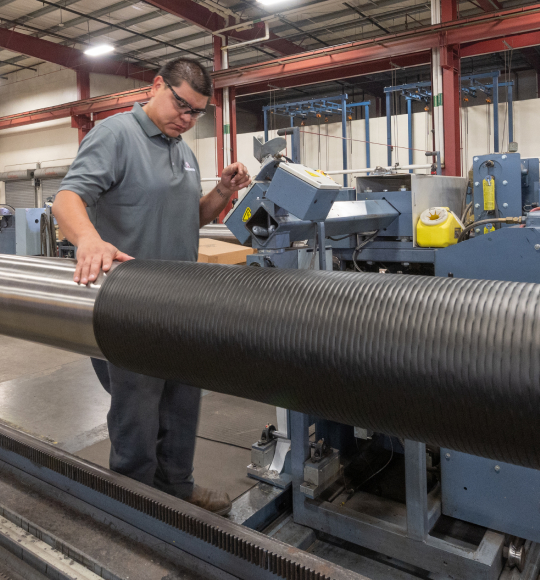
[243, 552]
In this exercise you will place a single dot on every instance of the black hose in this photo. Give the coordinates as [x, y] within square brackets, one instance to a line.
[466, 211]
[510, 220]
[446, 361]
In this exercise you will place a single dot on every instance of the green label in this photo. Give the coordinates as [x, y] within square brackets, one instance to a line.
[437, 100]
[226, 129]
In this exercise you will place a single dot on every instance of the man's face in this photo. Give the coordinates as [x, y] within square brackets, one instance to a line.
[171, 117]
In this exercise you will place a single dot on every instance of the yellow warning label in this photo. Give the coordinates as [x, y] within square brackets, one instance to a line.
[312, 173]
[489, 228]
[247, 214]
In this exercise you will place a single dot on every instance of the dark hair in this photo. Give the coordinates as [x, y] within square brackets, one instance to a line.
[184, 69]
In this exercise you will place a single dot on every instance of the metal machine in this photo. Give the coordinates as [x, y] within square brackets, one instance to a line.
[412, 428]
[391, 495]
[20, 230]
[7, 229]
[29, 196]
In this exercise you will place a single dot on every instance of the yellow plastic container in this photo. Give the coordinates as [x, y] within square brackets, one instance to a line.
[438, 227]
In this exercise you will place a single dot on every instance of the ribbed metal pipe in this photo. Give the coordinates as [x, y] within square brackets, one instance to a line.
[449, 362]
[40, 302]
[445, 361]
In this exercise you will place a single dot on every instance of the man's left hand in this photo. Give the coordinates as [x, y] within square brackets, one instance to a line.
[235, 177]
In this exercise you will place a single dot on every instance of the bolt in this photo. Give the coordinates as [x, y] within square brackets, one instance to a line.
[505, 205]
[476, 158]
[497, 468]
[537, 247]
[476, 205]
[503, 157]
[505, 182]
[477, 230]
[476, 183]
[447, 456]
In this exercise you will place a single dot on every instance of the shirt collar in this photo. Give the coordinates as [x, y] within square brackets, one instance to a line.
[148, 126]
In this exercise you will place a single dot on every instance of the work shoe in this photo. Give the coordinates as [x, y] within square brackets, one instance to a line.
[217, 502]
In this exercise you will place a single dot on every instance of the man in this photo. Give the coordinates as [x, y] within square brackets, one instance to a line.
[134, 191]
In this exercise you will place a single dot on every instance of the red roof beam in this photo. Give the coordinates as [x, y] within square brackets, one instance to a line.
[204, 18]
[405, 43]
[500, 44]
[353, 70]
[489, 5]
[118, 102]
[70, 57]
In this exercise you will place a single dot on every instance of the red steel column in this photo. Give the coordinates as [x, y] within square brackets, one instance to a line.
[450, 64]
[83, 123]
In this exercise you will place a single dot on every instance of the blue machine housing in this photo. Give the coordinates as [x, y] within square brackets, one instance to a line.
[491, 494]
[237, 218]
[497, 495]
[20, 231]
[516, 185]
[27, 231]
[7, 231]
[300, 198]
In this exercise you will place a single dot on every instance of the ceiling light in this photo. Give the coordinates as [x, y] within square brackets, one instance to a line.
[99, 50]
[269, 2]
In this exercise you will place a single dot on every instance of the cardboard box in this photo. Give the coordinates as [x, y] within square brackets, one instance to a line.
[215, 252]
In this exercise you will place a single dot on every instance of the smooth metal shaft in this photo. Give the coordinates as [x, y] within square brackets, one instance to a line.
[218, 232]
[40, 302]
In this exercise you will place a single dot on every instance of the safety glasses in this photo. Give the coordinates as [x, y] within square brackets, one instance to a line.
[195, 113]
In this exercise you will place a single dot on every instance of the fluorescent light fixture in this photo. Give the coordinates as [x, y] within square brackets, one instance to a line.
[99, 50]
[269, 2]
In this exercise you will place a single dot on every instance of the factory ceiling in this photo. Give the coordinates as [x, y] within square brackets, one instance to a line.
[146, 34]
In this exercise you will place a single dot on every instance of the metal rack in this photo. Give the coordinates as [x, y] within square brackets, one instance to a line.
[318, 108]
[471, 85]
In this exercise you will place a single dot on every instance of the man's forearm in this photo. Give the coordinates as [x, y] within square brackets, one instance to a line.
[70, 213]
[213, 203]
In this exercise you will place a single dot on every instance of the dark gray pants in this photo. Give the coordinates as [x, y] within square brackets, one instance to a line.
[152, 426]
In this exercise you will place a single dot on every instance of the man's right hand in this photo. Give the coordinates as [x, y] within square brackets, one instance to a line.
[94, 255]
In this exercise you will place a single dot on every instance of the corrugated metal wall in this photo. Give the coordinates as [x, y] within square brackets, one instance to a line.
[20, 193]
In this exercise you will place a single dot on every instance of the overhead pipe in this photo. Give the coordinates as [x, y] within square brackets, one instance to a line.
[51, 172]
[218, 232]
[17, 175]
[228, 47]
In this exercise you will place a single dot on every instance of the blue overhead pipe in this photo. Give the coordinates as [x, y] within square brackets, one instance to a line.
[409, 129]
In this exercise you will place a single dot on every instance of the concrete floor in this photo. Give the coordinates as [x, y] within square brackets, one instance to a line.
[56, 396]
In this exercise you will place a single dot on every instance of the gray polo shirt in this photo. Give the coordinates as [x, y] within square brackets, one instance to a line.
[141, 187]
